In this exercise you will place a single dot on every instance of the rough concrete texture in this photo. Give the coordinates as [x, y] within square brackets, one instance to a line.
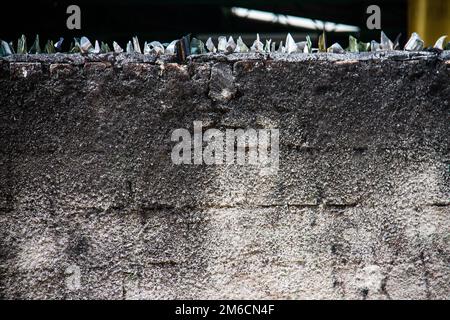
[358, 210]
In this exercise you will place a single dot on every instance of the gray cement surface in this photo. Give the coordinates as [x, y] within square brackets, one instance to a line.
[359, 209]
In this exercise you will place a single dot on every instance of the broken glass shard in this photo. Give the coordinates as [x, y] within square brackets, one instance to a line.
[440, 43]
[96, 47]
[210, 45]
[117, 48]
[374, 46]
[353, 44]
[58, 45]
[171, 47]
[322, 42]
[136, 46]
[231, 45]
[36, 47]
[268, 45]
[183, 48]
[104, 48]
[257, 46]
[5, 49]
[291, 46]
[308, 47]
[22, 45]
[156, 47]
[240, 46]
[222, 45]
[336, 48]
[130, 47]
[49, 47]
[85, 45]
[415, 43]
[386, 43]
[363, 46]
[397, 42]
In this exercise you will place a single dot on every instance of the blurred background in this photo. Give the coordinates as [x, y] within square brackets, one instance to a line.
[166, 20]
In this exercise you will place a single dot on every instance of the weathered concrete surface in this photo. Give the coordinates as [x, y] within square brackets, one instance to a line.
[359, 208]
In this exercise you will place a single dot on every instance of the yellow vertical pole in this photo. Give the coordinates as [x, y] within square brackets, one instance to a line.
[429, 18]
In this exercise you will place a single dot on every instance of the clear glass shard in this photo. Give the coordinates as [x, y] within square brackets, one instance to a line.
[374, 46]
[301, 46]
[130, 48]
[386, 43]
[240, 46]
[171, 47]
[85, 45]
[336, 48]
[58, 45]
[440, 43]
[222, 45]
[210, 45]
[147, 49]
[281, 48]
[415, 43]
[5, 49]
[117, 48]
[231, 45]
[257, 46]
[136, 46]
[397, 42]
[291, 46]
[273, 49]
[96, 47]
[267, 46]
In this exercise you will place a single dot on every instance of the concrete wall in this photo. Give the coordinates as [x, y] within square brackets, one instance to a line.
[359, 208]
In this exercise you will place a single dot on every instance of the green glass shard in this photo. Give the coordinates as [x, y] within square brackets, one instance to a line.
[104, 48]
[363, 46]
[36, 47]
[75, 46]
[308, 47]
[322, 42]
[353, 44]
[22, 45]
[447, 47]
[49, 47]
